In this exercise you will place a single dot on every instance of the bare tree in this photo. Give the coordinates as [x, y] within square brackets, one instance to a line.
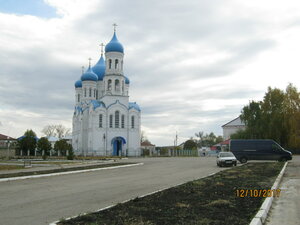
[49, 130]
[59, 131]
[200, 135]
[143, 136]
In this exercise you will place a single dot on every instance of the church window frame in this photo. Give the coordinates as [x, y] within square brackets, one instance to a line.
[117, 119]
[117, 85]
[100, 120]
[123, 121]
[84, 92]
[78, 98]
[97, 94]
[110, 121]
[90, 92]
[109, 85]
[132, 122]
[116, 63]
[109, 63]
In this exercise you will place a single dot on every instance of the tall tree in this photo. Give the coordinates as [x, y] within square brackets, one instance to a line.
[62, 147]
[44, 146]
[277, 117]
[190, 145]
[27, 143]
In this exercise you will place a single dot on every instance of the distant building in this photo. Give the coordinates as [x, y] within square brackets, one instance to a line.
[52, 140]
[232, 127]
[4, 140]
[147, 146]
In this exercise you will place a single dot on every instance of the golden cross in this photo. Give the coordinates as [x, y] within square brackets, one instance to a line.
[82, 69]
[90, 59]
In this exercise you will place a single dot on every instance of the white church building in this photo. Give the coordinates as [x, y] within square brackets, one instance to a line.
[105, 123]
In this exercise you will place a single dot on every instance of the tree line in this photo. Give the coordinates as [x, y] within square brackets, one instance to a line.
[29, 143]
[276, 117]
[202, 140]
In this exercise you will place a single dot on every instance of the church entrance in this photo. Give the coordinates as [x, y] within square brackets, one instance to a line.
[118, 143]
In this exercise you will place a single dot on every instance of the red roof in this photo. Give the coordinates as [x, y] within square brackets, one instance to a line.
[4, 137]
[146, 143]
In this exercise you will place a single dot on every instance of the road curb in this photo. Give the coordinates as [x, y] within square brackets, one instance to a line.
[68, 172]
[262, 213]
[150, 193]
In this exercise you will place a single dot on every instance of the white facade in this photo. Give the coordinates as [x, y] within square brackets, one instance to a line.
[232, 127]
[105, 123]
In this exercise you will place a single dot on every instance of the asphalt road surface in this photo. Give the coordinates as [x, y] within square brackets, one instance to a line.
[44, 200]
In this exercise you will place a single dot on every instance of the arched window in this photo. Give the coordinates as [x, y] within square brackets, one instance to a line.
[94, 93]
[109, 64]
[78, 98]
[84, 92]
[123, 121]
[110, 121]
[117, 119]
[90, 92]
[97, 94]
[116, 64]
[122, 65]
[132, 121]
[117, 85]
[109, 85]
[123, 86]
[100, 120]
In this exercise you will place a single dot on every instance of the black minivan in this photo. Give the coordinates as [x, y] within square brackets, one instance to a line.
[258, 149]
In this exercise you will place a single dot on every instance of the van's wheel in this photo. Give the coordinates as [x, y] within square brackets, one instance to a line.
[243, 160]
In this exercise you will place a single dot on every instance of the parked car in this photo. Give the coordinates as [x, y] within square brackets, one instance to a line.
[258, 149]
[226, 159]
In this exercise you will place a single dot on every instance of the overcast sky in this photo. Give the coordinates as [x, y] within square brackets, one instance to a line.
[192, 64]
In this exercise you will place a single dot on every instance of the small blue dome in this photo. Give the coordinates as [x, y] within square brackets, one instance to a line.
[78, 84]
[89, 75]
[99, 68]
[133, 105]
[127, 81]
[114, 45]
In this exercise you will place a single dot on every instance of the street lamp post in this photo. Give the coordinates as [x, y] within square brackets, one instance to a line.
[104, 143]
[8, 145]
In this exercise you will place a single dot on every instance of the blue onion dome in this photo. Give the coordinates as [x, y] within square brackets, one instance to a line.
[127, 81]
[89, 75]
[134, 105]
[114, 45]
[99, 68]
[78, 84]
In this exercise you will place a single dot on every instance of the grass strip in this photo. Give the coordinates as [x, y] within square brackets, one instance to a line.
[208, 201]
[29, 173]
[10, 167]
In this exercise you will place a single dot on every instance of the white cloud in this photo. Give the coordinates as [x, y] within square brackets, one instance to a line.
[193, 65]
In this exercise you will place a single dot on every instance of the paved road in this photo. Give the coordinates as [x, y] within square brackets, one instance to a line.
[44, 200]
[286, 208]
